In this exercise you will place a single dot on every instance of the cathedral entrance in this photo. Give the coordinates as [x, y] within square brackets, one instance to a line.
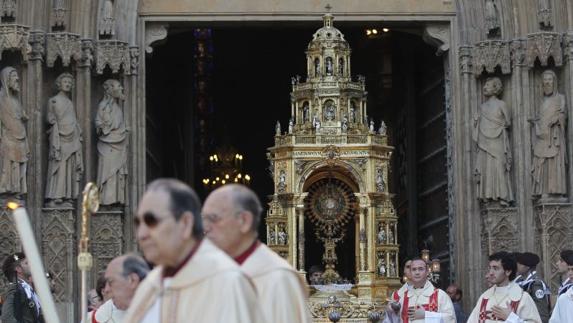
[242, 90]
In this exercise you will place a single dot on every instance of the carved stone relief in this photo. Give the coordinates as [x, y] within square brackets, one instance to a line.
[112, 145]
[58, 250]
[545, 14]
[438, 35]
[63, 45]
[492, 21]
[15, 37]
[65, 161]
[14, 149]
[106, 26]
[542, 46]
[10, 242]
[499, 229]
[9, 9]
[37, 45]
[59, 14]
[154, 33]
[115, 54]
[550, 142]
[555, 233]
[494, 159]
[487, 55]
[107, 239]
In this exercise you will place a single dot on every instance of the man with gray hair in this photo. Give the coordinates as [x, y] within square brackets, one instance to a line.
[231, 217]
[123, 275]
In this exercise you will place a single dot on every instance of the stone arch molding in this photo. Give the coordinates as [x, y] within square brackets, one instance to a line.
[313, 166]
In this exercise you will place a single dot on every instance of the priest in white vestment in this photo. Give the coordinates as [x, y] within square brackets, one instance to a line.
[421, 302]
[194, 281]
[231, 216]
[505, 301]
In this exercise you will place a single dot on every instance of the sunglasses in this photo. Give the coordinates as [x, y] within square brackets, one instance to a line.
[150, 220]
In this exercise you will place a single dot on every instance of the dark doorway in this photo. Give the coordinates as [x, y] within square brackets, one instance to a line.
[250, 84]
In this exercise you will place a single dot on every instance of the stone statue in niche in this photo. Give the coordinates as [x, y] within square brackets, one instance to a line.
[329, 111]
[281, 186]
[65, 162]
[382, 233]
[290, 125]
[344, 124]
[272, 236]
[282, 237]
[371, 128]
[490, 133]
[491, 16]
[382, 130]
[329, 66]
[544, 14]
[352, 112]
[316, 122]
[305, 112]
[112, 145]
[341, 66]
[380, 185]
[392, 268]
[381, 265]
[278, 129]
[14, 149]
[549, 144]
[107, 24]
[317, 67]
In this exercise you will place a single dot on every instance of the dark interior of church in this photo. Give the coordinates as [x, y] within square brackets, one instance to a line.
[248, 82]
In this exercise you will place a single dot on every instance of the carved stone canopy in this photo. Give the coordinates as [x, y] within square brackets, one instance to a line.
[488, 55]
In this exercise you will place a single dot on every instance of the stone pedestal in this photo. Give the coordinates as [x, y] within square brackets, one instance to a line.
[59, 251]
[9, 241]
[555, 233]
[499, 229]
[106, 239]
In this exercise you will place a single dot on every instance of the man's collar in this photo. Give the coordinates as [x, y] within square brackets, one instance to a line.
[172, 271]
[242, 257]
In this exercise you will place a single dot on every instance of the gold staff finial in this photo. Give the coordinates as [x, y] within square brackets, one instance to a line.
[90, 204]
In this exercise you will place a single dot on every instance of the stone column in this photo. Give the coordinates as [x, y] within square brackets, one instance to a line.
[300, 214]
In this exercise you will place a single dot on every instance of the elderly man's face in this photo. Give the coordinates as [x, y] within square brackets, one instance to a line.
[222, 223]
[14, 81]
[122, 287]
[160, 236]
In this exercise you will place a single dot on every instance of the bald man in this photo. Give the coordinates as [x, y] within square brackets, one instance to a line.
[231, 216]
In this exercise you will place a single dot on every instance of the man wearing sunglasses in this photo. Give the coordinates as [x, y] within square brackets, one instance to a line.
[193, 280]
[231, 216]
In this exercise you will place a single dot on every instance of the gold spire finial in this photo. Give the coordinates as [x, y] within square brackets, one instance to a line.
[327, 18]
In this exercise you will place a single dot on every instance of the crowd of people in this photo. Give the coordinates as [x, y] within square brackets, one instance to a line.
[210, 266]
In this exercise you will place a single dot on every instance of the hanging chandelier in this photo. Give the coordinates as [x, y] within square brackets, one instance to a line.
[225, 166]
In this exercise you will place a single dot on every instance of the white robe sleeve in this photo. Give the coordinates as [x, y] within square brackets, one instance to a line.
[445, 314]
[527, 311]
[240, 305]
[285, 293]
[563, 311]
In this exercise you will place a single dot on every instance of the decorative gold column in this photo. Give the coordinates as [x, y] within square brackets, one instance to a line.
[300, 215]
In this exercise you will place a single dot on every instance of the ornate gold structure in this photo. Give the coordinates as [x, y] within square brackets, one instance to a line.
[331, 168]
[90, 205]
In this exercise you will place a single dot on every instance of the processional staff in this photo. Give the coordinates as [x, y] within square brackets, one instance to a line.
[90, 204]
[28, 240]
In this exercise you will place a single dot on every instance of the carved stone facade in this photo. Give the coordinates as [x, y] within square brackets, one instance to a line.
[485, 38]
[42, 40]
